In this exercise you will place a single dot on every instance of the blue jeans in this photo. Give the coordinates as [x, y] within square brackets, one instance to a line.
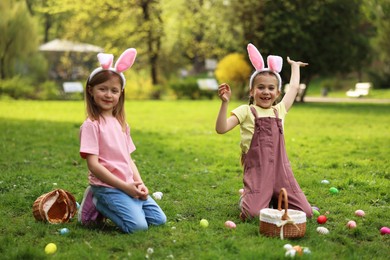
[127, 213]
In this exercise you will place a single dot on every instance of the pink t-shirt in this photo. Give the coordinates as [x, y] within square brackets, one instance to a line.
[113, 147]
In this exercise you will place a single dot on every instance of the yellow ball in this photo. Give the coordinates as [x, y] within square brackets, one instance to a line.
[50, 248]
[204, 223]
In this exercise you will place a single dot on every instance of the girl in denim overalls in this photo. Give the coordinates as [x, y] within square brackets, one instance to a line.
[266, 166]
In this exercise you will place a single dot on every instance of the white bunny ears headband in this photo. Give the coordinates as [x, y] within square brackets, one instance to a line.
[124, 62]
[275, 64]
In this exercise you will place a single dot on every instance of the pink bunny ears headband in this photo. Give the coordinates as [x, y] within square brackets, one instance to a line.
[275, 64]
[124, 62]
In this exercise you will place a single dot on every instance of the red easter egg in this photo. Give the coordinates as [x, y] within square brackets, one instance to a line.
[321, 219]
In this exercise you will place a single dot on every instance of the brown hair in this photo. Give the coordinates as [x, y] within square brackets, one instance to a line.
[93, 111]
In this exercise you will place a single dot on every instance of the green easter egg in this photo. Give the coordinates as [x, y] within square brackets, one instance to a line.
[334, 190]
[316, 213]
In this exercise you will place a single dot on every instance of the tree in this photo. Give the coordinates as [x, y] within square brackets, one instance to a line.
[326, 34]
[152, 25]
[51, 16]
[114, 25]
[19, 36]
[378, 13]
[199, 30]
[250, 15]
[192, 42]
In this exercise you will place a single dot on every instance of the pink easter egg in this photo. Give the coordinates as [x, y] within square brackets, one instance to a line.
[230, 224]
[360, 213]
[351, 224]
[385, 230]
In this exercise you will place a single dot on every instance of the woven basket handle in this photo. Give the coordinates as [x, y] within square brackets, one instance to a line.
[283, 195]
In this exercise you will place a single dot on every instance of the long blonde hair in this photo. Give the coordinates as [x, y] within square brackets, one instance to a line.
[93, 111]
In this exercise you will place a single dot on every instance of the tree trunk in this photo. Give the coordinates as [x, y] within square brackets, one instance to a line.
[154, 45]
[2, 71]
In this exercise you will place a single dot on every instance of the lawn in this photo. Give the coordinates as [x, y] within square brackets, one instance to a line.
[198, 171]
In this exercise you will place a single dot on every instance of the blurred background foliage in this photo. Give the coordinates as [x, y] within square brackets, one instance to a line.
[344, 41]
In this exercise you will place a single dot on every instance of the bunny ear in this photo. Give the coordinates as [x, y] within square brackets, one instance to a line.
[105, 60]
[255, 57]
[275, 63]
[126, 60]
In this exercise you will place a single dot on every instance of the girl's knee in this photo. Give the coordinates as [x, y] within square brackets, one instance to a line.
[142, 224]
[156, 218]
[134, 227]
[309, 212]
[306, 208]
[162, 220]
[249, 213]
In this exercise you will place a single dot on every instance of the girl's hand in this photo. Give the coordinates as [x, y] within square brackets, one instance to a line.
[144, 190]
[224, 92]
[133, 191]
[299, 63]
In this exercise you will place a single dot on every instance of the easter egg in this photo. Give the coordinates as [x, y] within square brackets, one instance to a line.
[50, 248]
[325, 182]
[64, 231]
[230, 224]
[323, 230]
[291, 253]
[334, 190]
[385, 231]
[360, 213]
[288, 246]
[298, 249]
[204, 223]
[306, 251]
[316, 213]
[321, 219]
[351, 224]
[157, 195]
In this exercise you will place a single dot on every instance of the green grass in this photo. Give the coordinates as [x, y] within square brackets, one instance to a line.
[179, 153]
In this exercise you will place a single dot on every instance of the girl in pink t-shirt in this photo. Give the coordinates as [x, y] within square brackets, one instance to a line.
[116, 189]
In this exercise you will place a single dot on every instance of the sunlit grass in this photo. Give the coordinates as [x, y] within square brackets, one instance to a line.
[179, 153]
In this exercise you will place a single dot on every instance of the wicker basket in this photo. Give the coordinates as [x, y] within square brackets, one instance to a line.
[57, 206]
[284, 223]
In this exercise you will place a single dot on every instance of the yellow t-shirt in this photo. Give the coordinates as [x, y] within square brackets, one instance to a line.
[246, 119]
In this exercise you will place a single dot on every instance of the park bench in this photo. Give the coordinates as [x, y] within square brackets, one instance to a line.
[73, 87]
[361, 89]
[207, 84]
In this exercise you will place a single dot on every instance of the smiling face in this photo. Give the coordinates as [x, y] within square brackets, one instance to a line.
[106, 95]
[265, 90]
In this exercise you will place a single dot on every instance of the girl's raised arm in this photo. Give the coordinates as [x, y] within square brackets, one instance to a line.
[291, 94]
[224, 124]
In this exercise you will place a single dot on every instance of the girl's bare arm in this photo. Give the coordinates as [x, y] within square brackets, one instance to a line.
[291, 94]
[224, 124]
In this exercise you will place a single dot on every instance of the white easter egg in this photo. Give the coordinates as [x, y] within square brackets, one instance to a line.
[322, 230]
[288, 246]
[158, 195]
